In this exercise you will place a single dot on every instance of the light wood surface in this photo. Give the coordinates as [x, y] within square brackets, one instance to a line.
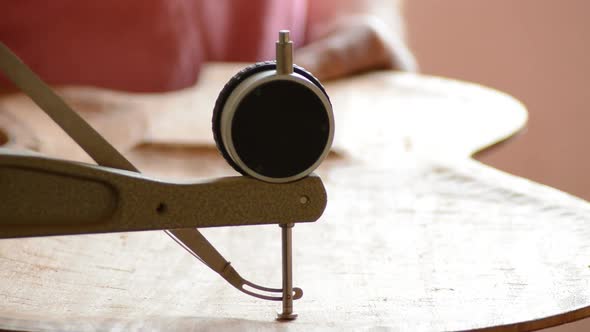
[416, 236]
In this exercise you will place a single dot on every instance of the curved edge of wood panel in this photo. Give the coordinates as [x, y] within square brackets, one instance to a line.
[541, 323]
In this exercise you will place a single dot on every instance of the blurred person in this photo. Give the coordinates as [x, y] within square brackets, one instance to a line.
[159, 45]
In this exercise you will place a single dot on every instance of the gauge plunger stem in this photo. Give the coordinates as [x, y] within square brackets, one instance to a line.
[284, 53]
[284, 57]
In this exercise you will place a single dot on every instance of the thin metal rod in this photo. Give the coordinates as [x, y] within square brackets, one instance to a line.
[287, 269]
[287, 253]
[284, 53]
[71, 122]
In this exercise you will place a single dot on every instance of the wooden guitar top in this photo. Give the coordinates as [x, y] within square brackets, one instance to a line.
[417, 235]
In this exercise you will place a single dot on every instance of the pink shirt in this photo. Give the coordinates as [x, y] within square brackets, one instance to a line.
[143, 45]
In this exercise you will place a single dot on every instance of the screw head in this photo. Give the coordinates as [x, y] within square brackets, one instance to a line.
[303, 199]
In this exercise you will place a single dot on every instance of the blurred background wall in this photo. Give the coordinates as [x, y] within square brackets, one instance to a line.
[539, 52]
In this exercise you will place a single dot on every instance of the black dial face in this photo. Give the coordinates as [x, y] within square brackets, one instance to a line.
[280, 129]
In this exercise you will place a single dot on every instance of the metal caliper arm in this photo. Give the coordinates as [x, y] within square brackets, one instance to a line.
[106, 155]
[41, 196]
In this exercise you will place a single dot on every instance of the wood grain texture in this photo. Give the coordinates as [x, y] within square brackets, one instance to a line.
[416, 236]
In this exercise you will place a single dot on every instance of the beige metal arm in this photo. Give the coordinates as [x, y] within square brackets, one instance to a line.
[41, 196]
